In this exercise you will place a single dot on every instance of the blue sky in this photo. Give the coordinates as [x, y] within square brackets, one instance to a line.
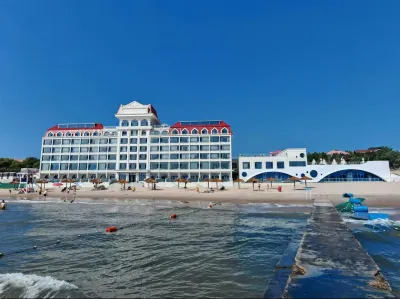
[315, 74]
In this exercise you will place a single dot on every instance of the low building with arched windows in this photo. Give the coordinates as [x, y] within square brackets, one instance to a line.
[139, 147]
[293, 162]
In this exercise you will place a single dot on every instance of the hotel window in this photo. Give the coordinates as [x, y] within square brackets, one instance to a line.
[55, 158]
[66, 141]
[47, 142]
[214, 156]
[195, 131]
[194, 156]
[94, 141]
[204, 139]
[174, 156]
[214, 139]
[46, 158]
[124, 133]
[214, 147]
[280, 165]
[225, 138]
[112, 157]
[96, 134]
[85, 141]
[94, 149]
[84, 157]
[76, 141]
[194, 147]
[56, 149]
[123, 157]
[144, 123]
[64, 166]
[154, 156]
[111, 166]
[257, 165]
[214, 131]
[50, 134]
[164, 156]
[204, 131]
[112, 149]
[215, 165]
[164, 140]
[143, 149]
[45, 166]
[204, 148]
[142, 156]
[102, 166]
[65, 149]
[124, 123]
[123, 149]
[154, 140]
[174, 132]
[77, 134]
[59, 134]
[164, 132]
[224, 131]
[164, 165]
[47, 150]
[173, 165]
[194, 139]
[205, 156]
[204, 165]
[142, 165]
[56, 141]
[174, 148]
[92, 166]
[93, 157]
[73, 166]
[122, 166]
[133, 157]
[113, 141]
[86, 134]
[246, 165]
[225, 156]
[194, 165]
[164, 148]
[225, 165]
[103, 141]
[132, 165]
[184, 156]
[143, 140]
[154, 148]
[225, 147]
[133, 149]
[184, 139]
[103, 149]
[154, 165]
[269, 165]
[174, 140]
[184, 132]
[124, 140]
[134, 123]
[84, 149]
[184, 165]
[73, 158]
[82, 166]
[297, 163]
[134, 133]
[184, 148]
[102, 157]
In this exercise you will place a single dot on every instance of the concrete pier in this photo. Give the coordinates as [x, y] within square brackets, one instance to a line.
[330, 263]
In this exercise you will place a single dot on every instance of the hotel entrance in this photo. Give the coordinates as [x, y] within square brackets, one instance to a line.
[132, 178]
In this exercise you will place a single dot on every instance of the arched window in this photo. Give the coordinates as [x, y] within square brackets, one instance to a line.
[77, 134]
[50, 134]
[156, 132]
[195, 131]
[224, 131]
[214, 131]
[124, 123]
[114, 133]
[86, 134]
[134, 123]
[59, 134]
[106, 133]
[164, 133]
[204, 131]
[174, 132]
[96, 133]
[184, 131]
[124, 133]
[68, 134]
[144, 123]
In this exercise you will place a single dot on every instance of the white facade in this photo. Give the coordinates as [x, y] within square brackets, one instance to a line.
[138, 148]
[293, 162]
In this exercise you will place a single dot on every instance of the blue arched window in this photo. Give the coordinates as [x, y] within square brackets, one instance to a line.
[134, 123]
[278, 176]
[124, 123]
[174, 132]
[144, 123]
[77, 134]
[195, 131]
[96, 133]
[214, 131]
[224, 131]
[59, 134]
[50, 134]
[351, 175]
[204, 131]
[184, 131]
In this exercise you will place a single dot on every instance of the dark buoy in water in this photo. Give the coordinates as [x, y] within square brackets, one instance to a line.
[111, 229]
[1, 255]
[72, 201]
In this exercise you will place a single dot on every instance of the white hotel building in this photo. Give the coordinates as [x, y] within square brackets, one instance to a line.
[138, 148]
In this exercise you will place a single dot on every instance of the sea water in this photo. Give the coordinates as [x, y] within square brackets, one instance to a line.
[226, 251]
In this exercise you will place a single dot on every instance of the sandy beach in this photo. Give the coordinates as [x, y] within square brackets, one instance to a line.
[376, 193]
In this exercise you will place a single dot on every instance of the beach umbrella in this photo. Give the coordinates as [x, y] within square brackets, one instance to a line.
[123, 182]
[238, 181]
[186, 181]
[151, 181]
[42, 182]
[271, 180]
[294, 179]
[252, 180]
[208, 181]
[305, 179]
[216, 181]
[179, 180]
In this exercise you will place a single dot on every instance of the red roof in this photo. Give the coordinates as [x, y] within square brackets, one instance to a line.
[153, 110]
[77, 127]
[199, 125]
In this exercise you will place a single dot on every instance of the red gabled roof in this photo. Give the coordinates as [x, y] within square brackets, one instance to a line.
[95, 127]
[180, 125]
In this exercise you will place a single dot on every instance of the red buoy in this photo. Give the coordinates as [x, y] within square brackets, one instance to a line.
[111, 229]
[173, 216]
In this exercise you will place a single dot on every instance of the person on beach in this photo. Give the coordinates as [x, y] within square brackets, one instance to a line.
[259, 187]
[3, 205]
[45, 193]
[9, 191]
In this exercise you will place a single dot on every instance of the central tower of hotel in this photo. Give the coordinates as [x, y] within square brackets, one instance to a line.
[139, 147]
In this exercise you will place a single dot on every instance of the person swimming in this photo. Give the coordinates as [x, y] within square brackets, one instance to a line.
[3, 205]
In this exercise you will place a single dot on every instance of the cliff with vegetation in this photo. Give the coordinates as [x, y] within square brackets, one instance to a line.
[12, 165]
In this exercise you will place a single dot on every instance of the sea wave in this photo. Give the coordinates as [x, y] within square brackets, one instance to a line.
[376, 222]
[19, 285]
